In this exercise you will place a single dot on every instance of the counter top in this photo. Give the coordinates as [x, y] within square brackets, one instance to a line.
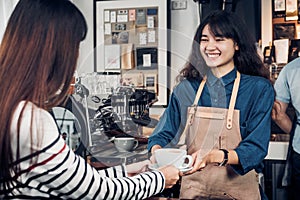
[106, 155]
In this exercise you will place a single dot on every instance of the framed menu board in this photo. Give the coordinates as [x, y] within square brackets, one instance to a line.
[131, 38]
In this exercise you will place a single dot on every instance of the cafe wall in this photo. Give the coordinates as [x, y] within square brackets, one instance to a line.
[6, 7]
[86, 56]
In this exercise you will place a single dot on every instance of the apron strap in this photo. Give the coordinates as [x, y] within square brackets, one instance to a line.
[192, 113]
[195, 104]
[200, 89]
[233, 100]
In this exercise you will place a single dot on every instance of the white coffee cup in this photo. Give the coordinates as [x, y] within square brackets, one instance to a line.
[172, 156]
[125, 144]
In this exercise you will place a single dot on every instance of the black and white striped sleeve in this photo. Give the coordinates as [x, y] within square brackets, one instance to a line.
[59, 173]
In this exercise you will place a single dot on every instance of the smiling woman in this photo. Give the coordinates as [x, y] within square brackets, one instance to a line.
[217, 51]
[220, 111]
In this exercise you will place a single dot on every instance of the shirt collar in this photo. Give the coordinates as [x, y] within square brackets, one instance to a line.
[225, 80]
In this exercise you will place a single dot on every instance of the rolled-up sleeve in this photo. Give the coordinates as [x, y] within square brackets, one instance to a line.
[168, 125]
[172, 122]
[256, 129]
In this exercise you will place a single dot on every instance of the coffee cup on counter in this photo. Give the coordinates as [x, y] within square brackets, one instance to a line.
[172, 156]
[125, 144]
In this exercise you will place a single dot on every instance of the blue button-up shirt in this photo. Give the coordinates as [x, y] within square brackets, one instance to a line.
[287, 88]
[255, 100]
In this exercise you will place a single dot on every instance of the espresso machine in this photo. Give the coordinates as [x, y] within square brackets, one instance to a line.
[125, 112]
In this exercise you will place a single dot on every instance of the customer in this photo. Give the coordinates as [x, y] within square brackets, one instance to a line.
[228, 149]
[38, 53]
[287, 87]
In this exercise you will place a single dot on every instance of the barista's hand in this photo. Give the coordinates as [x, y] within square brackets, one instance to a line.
[201, 161]
[171, 174]
[152, 158]
[138, 167]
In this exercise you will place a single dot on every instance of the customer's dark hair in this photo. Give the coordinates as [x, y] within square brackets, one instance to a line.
[38, 57]
[228, 25]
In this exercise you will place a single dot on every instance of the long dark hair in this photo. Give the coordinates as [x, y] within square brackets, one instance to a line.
[39, 54]
[229, 25]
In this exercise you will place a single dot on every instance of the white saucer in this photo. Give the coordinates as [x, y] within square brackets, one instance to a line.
[182, 169]
[185, 168]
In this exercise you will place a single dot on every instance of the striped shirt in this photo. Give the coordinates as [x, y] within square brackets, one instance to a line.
[59, 173]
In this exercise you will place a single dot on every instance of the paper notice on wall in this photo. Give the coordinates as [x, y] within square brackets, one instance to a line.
[140, 17]
[112, 56]
[113, 16]
[106, 16]
[132, 15]
[151, 82]
[107, 28]
[122, 18]
[143, 38]
[133, 79]
[151, 36]
[127, 56]
[147, 60]
[150, 22]
[281, 50]
[291, 10]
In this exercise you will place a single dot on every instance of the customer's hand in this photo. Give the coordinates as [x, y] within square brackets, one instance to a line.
[171, 174]
[138, 167]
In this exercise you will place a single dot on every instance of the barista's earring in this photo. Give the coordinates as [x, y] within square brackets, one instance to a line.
[236, 47]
